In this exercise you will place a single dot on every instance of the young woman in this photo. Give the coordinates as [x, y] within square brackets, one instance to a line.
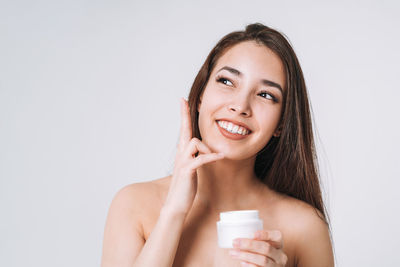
[246, 142]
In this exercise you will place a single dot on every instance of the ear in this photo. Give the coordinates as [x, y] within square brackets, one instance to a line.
[277, 132]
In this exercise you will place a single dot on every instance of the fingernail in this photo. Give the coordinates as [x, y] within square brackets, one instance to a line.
[256, 235]
[233, 252]
[236, 243]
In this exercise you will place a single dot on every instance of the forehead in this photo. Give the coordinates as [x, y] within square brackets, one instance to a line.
[255, 61]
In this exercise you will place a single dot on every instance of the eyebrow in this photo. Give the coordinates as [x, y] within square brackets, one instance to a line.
[264, 81]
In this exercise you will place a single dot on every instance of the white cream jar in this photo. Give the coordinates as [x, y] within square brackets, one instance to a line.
[237, 224]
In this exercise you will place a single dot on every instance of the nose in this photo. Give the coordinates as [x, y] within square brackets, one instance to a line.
[241, 106]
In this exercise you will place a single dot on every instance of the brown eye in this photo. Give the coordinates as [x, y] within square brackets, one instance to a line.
[269, 96]
[224, 81]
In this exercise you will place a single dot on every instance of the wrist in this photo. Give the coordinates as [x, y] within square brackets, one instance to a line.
[167, 212]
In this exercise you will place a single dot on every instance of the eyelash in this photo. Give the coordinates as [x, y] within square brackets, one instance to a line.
[220, 79]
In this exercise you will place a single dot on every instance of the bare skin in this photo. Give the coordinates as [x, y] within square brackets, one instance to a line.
[181, 210]
[305, 236]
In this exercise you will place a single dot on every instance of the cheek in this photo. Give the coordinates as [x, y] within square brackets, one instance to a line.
[212, 94]
[205, 115]
[269, 120]
[210, 101]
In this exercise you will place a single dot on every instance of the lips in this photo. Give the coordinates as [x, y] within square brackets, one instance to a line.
[235, 123]
[232, 129]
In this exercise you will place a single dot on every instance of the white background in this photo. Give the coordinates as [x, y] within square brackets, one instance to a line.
[89, 102]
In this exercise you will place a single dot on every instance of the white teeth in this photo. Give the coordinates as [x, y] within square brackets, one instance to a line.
[230, 126]
[233, 128]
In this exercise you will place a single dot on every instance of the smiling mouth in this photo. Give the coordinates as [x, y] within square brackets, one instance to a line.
[233, 128]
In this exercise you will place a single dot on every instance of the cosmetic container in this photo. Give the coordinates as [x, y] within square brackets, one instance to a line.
[237, 224]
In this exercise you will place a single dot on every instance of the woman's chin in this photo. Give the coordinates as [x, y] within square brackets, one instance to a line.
[229, 153]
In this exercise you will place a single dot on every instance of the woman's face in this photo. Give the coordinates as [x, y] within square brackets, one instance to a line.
[240, 107]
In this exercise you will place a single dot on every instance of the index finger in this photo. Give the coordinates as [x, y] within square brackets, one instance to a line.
[273, 237]
[186, 127]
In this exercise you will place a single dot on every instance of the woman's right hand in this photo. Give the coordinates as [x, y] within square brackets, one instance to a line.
[183, 186]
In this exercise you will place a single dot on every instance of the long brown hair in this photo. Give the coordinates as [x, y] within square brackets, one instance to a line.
[288, 163]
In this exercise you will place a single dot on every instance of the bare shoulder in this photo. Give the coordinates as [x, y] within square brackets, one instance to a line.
[143, 197]
[309, 233]
[124, 234]
[142, 190]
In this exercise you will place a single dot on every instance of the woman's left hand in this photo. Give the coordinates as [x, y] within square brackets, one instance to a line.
[264, 250]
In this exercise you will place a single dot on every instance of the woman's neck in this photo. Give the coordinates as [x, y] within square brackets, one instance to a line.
[228, 185]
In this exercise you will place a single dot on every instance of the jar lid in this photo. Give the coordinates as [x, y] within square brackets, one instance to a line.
[239, 215]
